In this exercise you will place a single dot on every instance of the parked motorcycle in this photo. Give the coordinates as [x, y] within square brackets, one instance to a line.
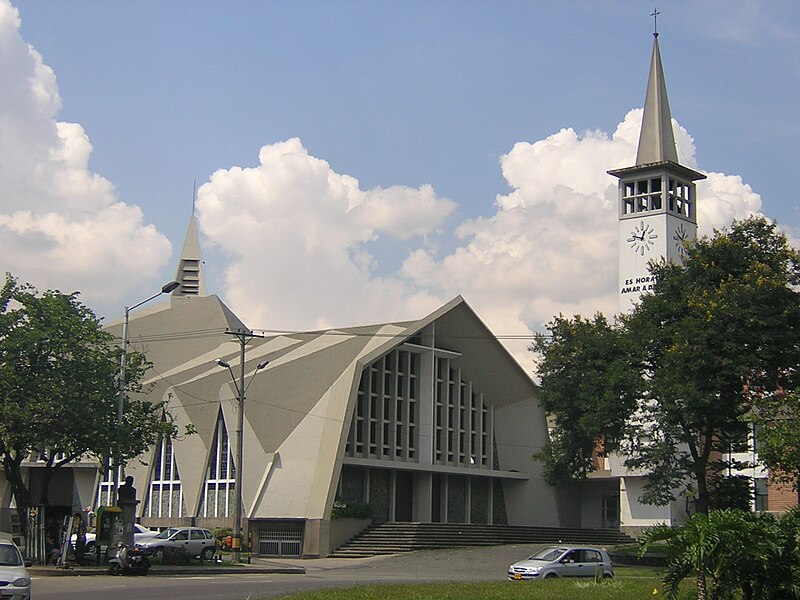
[129, 561]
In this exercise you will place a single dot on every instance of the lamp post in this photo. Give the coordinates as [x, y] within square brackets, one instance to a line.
[243, 337]
[123, 364]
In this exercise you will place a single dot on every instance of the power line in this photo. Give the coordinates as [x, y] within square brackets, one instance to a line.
[208, 333]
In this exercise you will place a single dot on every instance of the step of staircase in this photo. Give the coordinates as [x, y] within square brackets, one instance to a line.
[397, 537]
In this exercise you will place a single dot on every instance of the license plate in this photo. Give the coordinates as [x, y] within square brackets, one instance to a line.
[517, 576]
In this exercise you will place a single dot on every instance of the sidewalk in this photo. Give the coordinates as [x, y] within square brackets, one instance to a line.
[257, 567]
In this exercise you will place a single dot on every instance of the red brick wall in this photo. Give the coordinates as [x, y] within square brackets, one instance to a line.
[598, 456]
[780, 496]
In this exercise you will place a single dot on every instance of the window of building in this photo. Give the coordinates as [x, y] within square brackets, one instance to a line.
[164, 497]
[105, 491]
[643, 195]
[219, 490]
[761, 494]
[461, 420]
[680, 198]
[385, 421]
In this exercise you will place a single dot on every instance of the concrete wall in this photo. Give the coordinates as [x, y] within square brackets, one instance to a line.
[344, 530]
[521, 431]
[633, 514]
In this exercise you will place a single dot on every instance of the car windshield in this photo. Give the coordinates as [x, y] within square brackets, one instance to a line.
[9, 556]
[548, 554]
[166, 533]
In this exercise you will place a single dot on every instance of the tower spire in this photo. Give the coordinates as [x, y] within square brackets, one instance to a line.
[656, 139]
[657, 196]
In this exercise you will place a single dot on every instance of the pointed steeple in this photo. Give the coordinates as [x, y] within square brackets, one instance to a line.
[657, 196]
[190, 267]
[656, 139]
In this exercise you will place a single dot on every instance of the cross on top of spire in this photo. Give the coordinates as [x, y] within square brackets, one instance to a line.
[655, 14]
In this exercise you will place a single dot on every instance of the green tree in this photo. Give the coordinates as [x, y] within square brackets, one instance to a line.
[716, 342]
[58, 388]
[777, 419]
[590, 404]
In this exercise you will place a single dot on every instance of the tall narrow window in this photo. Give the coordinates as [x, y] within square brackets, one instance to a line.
[219, 497]
[105, 491]
[164, 498]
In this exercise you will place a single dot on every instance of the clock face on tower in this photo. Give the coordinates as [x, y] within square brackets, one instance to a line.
[680, 236]
[642, 238]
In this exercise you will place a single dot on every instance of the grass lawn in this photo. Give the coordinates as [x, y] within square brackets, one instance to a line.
[630, 583]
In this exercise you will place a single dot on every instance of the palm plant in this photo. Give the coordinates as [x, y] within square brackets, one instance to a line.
[776, 575]
[717, 548]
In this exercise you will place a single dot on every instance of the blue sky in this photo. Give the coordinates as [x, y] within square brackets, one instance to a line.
[433, 109]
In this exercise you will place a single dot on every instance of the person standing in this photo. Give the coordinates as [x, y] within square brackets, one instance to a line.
[79, 527]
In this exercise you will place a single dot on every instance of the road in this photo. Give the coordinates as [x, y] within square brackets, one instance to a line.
[468, 564]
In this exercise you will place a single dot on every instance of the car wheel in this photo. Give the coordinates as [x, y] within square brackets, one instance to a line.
[608, 576]
[207, 553]
[551, 576]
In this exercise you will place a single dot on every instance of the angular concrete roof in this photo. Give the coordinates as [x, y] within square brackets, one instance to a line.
[299, 407]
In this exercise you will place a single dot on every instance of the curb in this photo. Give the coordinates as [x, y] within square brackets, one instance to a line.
[168, 571]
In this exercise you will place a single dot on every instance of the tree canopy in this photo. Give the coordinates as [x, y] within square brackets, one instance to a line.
[590, 403]
[58, 387]
[713, 348]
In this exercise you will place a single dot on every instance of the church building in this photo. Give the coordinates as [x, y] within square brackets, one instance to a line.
[430, 420]
[426, 420]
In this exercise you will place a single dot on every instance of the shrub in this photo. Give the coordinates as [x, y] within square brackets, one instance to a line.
[220, 533]
[351, 510]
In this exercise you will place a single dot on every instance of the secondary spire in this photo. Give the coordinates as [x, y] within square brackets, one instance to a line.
[190, 266]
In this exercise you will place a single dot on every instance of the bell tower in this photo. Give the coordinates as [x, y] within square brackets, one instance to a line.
[657, 196]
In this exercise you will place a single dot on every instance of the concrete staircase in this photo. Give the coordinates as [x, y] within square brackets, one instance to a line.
[392, 538]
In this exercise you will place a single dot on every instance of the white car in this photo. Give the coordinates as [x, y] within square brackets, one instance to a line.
[195, 541]
[15, 583]
[139, 532]
[563, 561]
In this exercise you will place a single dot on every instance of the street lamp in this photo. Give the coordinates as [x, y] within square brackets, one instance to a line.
[123, 363]
[236, 536]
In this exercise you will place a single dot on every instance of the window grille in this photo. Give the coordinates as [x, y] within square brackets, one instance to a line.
[280, 540]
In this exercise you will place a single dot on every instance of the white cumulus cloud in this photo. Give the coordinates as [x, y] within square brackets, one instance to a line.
[61, 225]
[298, 233]
[551, 245]
[304, 246]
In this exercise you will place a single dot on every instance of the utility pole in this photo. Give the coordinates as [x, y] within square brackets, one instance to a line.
[167, 288]
[244, 337]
